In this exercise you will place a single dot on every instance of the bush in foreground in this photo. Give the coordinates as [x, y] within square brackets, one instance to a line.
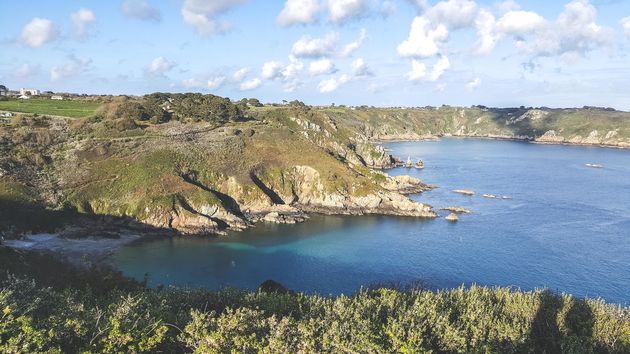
[128, 319]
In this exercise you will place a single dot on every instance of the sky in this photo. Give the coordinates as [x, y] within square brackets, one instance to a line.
[560, 53]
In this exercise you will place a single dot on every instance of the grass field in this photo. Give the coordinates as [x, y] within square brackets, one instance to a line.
[65, 108]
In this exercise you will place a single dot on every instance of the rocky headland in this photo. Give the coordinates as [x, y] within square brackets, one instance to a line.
[198, 178]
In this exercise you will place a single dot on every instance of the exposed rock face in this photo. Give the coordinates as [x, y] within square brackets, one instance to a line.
[375, 156]
[188, 218]
[301, 191]
[550, 137]
[405, 185]
[311, 195]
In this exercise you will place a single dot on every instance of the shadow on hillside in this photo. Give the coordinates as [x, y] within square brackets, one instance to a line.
[561, 325]
[17, 219]
[275, 198]
[509, 118]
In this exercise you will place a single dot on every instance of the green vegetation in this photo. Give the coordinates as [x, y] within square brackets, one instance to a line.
[58, 309]
[45, 106]
[164, 159]
[187, 107]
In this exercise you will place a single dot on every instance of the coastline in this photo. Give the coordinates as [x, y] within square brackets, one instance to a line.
[91, 250]
[504, 138]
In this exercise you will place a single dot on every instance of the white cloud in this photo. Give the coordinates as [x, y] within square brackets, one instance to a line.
[159, 66]
[572, 35]
[352, 46]
[321, 67]
[298, 11]
[520, 22]
[251, 84]
[626, 25]
[309, 47]
[271, 70]
[454, 14]
[419, 70]
[215, 82]
[331, 84]
[424, 39]
[291, 74]
[240, 74]
[486, 33]
[202, 15]
[360, 68]
[74, 67]
[439, 68]
[82, 20]
[141, 9]
[39, 32]
[341, 10]
[473, 84]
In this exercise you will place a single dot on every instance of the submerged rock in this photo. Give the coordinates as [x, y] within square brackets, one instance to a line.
[457, 210]
[591, 165]
[465, 192]
[452, 217]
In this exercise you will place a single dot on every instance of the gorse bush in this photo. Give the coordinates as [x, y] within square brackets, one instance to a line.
[477, 320]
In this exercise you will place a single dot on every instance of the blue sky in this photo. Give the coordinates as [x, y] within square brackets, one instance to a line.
[376, 52]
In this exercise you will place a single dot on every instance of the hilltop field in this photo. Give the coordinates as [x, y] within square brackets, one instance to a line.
[63, 108]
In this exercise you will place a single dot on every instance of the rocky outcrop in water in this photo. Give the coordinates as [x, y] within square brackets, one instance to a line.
[452, 217]
[457, 210]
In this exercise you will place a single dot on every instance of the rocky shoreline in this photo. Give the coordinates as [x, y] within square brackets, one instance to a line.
[528, 139]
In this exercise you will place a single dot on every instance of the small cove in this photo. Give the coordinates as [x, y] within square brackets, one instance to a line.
[566, 227]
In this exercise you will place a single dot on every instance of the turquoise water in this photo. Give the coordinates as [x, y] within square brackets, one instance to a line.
[567, 228]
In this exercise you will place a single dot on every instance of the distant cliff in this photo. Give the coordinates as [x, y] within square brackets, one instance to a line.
[588, 126]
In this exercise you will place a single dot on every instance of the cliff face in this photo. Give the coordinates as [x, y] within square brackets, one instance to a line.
[589, 126]
[198, 178]
[280, 164]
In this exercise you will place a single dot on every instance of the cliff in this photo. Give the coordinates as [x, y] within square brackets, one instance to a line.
[584, 126]
[200, 178]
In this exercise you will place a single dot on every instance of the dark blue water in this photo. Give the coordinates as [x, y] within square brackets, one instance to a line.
[567, 228]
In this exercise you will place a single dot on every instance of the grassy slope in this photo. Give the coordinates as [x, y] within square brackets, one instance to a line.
[90, 166]
[63, 108]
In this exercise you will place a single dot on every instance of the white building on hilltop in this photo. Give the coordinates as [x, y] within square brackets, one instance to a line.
[29, 92]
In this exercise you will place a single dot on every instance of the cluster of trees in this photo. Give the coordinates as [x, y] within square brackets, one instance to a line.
[105, 317]
[163, 107]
